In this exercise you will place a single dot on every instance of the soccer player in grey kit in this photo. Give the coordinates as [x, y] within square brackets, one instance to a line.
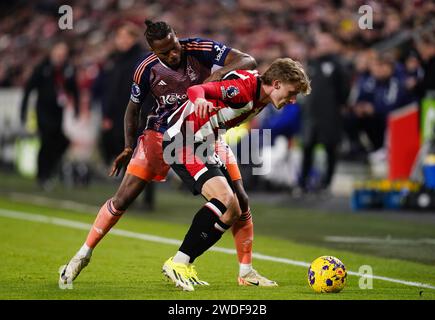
[166, 73]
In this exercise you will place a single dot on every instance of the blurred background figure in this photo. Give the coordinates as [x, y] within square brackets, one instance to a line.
[54, 79]
[414, 74]
[112, 89]
[378, 92]
[279, 168]
[425, 43]
[355, 150]
[322, 110]
[387, 67]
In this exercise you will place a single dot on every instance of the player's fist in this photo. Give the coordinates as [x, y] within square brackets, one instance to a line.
[121, 161]
[203, 107]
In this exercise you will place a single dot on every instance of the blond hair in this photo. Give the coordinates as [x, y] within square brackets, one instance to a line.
[288, 71]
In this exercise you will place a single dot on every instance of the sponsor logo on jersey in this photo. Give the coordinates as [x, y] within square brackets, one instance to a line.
[172, 98]
[220, 51]
[162, 83]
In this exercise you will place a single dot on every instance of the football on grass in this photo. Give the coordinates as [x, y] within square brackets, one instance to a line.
[327, 274]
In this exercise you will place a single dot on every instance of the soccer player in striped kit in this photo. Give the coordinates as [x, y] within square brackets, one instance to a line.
[189, 148]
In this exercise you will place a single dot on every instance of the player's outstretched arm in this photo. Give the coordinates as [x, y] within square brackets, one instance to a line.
[131, 123]
[235, 60]
[131, 119]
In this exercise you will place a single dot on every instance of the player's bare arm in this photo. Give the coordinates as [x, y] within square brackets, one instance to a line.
[131, 122]
[131, 119]
[235, 60]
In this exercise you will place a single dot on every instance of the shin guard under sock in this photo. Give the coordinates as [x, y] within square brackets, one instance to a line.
[206, 229]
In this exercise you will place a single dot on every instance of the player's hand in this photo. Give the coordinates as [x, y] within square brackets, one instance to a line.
[203, 107]
[121, 161]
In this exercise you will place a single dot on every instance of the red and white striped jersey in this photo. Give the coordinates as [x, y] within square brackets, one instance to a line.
[236, 98]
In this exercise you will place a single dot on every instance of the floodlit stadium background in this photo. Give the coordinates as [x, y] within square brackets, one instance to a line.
[335, 217]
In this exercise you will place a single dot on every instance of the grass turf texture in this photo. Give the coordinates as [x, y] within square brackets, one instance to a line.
[281, 217]
[125, 268]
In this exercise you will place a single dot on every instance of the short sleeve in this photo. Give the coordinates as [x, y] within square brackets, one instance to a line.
[209, 52]
[238, 91]
[141, 77]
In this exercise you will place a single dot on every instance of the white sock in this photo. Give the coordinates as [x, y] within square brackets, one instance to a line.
[85, 251]
[181, 257]
[244, 269]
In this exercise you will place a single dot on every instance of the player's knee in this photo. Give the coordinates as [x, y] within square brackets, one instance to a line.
[226, 197]
[233, 208]
[233, 213]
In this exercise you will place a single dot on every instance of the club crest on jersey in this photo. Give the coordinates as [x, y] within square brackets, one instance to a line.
[191, 73]
[230, 92]
[135, 90]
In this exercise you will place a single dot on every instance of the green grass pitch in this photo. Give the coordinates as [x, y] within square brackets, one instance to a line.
[124, 267]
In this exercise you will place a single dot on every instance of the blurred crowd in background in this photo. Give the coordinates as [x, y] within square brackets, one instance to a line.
[359, 75]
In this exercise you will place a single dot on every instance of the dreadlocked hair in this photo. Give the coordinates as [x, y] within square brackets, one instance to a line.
[156, 30]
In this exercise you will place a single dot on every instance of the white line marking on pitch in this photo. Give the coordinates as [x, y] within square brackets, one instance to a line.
[50, 202]
[382, 241]
[135, 235]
